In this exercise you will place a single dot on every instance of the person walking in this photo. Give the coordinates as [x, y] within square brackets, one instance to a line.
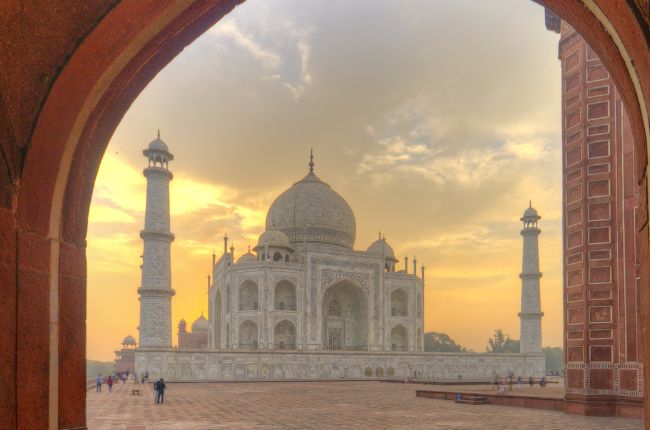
[160, 387]
[98, 383]
[109, 382]
[157, 391]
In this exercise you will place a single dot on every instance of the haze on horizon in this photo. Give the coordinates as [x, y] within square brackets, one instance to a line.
[436, 121]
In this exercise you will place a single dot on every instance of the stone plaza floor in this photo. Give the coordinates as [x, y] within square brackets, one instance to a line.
[317, 405]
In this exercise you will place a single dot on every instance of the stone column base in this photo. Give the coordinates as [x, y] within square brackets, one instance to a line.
[604, 406]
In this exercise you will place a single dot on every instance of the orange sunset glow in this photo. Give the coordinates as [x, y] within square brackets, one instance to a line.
[436, 130]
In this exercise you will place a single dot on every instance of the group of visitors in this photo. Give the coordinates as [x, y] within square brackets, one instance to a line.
[99, 380]
[507, 383]
[158, 386]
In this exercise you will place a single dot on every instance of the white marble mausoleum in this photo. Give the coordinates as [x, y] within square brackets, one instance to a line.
[303, 303]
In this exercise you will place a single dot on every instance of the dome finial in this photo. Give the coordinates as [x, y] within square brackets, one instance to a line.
[158, 133]
[311, 161]
[530, 203]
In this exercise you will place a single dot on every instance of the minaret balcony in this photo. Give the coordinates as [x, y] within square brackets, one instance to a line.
[531, 275]
[530, 315]
[162, 292]
[159, 235]
[157, 171]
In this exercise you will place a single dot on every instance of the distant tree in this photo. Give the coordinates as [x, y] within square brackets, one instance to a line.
[441, 342]
[554, 358]
[501, 343]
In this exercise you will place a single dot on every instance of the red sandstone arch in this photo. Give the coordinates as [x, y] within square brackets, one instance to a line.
[43, 220]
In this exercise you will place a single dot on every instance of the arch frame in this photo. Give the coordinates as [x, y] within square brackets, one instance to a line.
[91, 93]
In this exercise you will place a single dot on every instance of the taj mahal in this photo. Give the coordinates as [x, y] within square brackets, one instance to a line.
[304, 303]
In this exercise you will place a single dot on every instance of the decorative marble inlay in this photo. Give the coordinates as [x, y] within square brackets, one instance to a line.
[331, 277]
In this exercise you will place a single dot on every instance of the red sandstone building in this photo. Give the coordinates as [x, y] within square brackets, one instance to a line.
[197, 338]
[125, 357]
[602, 321]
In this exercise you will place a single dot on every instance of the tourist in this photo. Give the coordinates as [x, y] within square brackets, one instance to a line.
[531, 382]
[157, 391]
[98, 383]
[501, 388]
[542, 382]
[109, 382]
[160, 386]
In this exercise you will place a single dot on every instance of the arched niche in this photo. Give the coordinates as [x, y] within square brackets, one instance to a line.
[399, 303]
[284, 335]
[217, 317]
[345, 317]
[284, 296]
[248, 335]
[248, 296]
[399, 338]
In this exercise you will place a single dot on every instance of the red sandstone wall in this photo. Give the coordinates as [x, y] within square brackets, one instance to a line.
[52, 52]
[601, 266]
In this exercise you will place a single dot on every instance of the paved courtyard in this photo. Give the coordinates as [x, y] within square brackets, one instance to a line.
[316, 405]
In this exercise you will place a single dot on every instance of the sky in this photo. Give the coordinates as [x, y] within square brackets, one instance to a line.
[437, 121]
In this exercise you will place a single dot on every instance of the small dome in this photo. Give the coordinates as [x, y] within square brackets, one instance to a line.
[200, 324]
[273, 238]
[381, 247]
[129, 340]
[249, 257]
[530, 212]
[158, 145]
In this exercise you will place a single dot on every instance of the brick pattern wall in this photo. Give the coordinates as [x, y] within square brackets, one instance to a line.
[601, 254]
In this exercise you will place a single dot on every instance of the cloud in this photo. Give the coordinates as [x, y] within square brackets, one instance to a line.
[228, 28]
[417, 139]
[435, 124]
[286, 61]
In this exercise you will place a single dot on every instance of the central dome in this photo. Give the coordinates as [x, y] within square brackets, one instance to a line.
[312, 211]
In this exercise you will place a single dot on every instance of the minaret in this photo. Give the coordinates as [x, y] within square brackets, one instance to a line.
[531, 314]
[156, 291]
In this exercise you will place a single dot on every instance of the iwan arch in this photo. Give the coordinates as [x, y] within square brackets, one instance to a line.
[65, 88]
